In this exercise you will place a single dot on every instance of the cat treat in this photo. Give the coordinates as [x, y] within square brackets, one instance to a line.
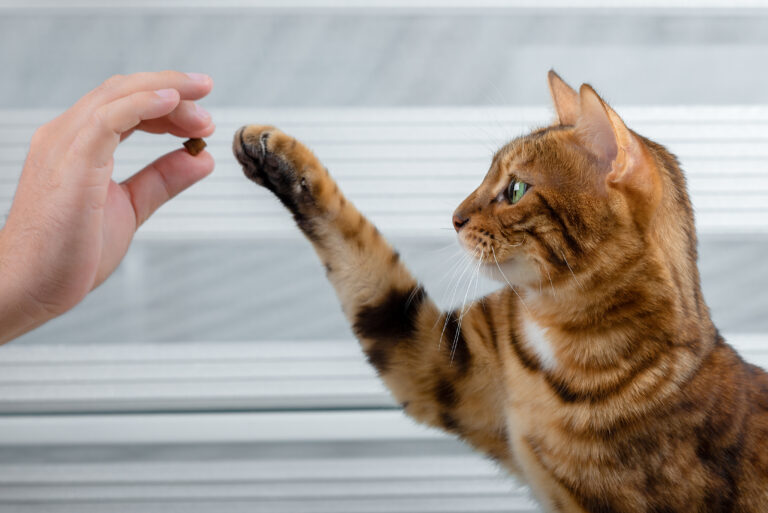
[194, 146]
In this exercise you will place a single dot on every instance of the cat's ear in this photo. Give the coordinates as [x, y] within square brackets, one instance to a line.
[619, 152]
[564, 97]
[595, 128]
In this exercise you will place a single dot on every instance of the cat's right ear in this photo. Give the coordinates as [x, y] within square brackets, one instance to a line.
[565, 98]
[621, 156]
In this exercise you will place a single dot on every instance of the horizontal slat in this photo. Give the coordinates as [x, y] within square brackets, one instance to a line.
[356, 5]
[417, 151]
[408, 168]
[55, 461]
[295, 490]
[218, 375]
[223, 427]
[265, 470]
[382, 193]
[491, 133]
[431, 504]
[425, 115]
[429, 226]
[258, 375]
[389, 204]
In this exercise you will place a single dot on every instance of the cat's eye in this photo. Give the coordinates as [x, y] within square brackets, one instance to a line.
[516, 191]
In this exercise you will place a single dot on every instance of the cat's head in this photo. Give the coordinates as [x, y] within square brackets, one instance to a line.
[577, 200]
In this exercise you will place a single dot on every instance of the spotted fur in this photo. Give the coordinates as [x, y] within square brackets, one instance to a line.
[621, 396]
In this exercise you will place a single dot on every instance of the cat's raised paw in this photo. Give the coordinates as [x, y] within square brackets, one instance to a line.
[282, 164]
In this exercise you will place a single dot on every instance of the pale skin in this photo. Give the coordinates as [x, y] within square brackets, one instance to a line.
[71, 224]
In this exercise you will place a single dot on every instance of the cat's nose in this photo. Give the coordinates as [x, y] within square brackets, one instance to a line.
[459, 221]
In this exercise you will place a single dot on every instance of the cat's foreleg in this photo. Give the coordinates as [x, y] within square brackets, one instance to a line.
[443, 374]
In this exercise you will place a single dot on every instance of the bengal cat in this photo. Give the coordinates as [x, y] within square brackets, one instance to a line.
[607, 390]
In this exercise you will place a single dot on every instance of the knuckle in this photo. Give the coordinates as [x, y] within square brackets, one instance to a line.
[40, 136]
[139, 76]
[112, 83]
[100, 118]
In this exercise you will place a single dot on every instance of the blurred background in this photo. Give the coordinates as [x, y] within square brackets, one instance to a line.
[214, 371]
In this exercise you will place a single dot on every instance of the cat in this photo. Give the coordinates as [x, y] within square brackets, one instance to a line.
[606, 390]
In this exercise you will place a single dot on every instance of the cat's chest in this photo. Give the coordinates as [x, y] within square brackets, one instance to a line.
[533, 367]
[545, 430]
[537, 341]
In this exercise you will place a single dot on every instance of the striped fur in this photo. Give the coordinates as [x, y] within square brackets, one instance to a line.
[601, 380]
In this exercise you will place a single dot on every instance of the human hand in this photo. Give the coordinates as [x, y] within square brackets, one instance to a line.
[70, 224]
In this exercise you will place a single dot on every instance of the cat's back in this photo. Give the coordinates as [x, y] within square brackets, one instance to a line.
[732, 441]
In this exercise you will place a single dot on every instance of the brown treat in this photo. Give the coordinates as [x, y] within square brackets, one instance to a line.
[194, 146]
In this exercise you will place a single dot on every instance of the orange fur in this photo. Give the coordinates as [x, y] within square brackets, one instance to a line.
[600, 379]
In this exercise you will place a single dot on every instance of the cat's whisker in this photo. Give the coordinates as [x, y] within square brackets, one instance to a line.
[477, 274]
[464, 308]
[451, 276]
[552, 285]
[454, 266]
[411, 296]
[453, 272]
[506, 280]
[515, 245]
[468, 260]
[467, 267]
[458, 274]
[469, 285]
[468, 264]
[476, 277]
[572, 273]
[452, 244]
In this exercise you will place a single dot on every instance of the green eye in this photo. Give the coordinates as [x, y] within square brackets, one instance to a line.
[516, 191]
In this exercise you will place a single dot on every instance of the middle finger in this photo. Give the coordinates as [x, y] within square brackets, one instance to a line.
[186, 120]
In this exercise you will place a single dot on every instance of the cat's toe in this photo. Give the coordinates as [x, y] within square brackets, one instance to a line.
[258, 149]
[285, 166]
[249, 147]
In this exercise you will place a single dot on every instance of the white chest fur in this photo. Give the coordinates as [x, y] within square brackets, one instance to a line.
[536, 340]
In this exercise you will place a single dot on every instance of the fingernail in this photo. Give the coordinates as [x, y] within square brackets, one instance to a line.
[202, 113]
[199, 77]
[166, 94]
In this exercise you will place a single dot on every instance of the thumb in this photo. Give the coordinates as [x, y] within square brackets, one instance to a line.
[163, 179]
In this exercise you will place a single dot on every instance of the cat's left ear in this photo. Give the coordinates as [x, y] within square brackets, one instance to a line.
[566, 100]
[621, 155]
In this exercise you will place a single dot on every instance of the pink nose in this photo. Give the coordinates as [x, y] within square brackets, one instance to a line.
[459, 221]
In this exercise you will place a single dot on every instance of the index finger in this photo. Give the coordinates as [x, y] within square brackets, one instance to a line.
[94, 145]
[191, 86]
